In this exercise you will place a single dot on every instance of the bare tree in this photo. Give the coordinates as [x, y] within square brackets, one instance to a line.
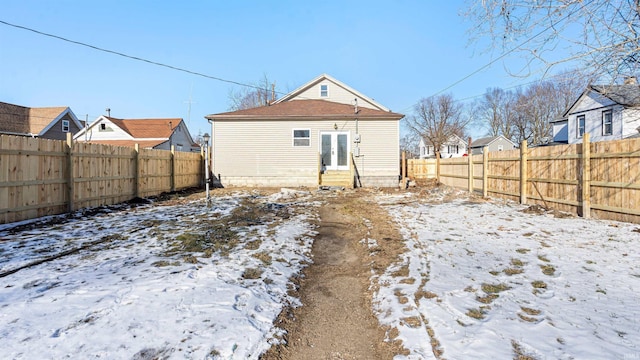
[436, 119]
[496, 111]
[252, 96]
[602, 34]
[409, 143]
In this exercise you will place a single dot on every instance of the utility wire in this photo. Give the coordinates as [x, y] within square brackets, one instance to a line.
[507, 53]
[132, 57]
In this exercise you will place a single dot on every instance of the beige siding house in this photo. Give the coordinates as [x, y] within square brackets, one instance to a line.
[323, 133]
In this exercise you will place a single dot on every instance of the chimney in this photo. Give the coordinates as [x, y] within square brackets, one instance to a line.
[631, 80]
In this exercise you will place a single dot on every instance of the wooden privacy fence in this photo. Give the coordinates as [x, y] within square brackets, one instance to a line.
[41, 177]
[600, 179]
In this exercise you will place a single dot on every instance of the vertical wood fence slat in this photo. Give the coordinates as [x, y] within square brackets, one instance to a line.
[41, 177]
[600, 179]
[523, 172]
[485, 174]
[470, 162]
[586, 176]
[69, 174]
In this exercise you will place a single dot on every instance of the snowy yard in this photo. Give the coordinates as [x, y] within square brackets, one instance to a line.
[151, 289]
[479, 280]
[483, 280]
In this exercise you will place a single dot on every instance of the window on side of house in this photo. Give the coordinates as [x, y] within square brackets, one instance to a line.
[301, 137]
[65, 125]
[500, 147]
[324, 90]
[452, 149]
[580, 126]
[607, 122]
[103, 127]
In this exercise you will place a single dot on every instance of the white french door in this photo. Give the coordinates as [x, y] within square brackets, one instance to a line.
[334, 147]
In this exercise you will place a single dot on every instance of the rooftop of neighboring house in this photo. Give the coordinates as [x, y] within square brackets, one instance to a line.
[24, 120]
[484, 141]
[627, 94]
[147, 128]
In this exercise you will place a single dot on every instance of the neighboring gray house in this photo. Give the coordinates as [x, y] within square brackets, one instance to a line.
[606, 112]
[323, 133]
[454, 147]
[491, 144]
[147, 133]
[43, 122]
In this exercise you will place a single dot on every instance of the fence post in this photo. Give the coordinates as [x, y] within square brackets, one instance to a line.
[136, 167]
[523, 172]
[586, 176]
[173, 168]
[70, 180]
[437, 166]
[485, 173]
[470, 166]
[403, 169]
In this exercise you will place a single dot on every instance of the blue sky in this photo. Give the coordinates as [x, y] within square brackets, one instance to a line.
[395, 52]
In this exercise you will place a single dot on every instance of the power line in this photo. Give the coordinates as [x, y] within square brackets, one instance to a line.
[131, 57]
[507, 53]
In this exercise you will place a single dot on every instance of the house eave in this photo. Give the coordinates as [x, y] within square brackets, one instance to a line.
[303, 117]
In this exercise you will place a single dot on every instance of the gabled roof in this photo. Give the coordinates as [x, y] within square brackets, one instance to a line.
[156, 129]
[486, 141]
[292, 95]
[627, 95]
[305, 109]
[147, 128]
[24, 120]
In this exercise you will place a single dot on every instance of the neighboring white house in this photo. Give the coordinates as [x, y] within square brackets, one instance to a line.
[148, 133]
[320, 132]
[454, 147]
[606, 112]
[491, 144]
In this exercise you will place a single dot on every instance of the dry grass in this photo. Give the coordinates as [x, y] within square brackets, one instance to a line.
[252, 273]
[548, 269]
[494, 288]
[517, 262]
[539, 284]
[264, 257]
[543, 258]
[522, 251]
[530, 311]
[477, 314]
[512, 271]
[519, 352]
[487, 299]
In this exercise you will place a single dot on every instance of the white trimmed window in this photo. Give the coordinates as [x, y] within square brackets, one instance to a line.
[607, 122]
[452, 149]
[580, 127]
[301, 137]
[65, 125]
[324, 90]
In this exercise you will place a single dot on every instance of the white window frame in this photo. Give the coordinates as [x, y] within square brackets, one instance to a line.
[455, 148]
[609, 123]
[324, 89]
[65, 126]
[580, 129]
[294, 138]
[500, 147]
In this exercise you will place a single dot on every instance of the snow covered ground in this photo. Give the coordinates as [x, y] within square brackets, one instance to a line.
[131, 293]
[483, 280]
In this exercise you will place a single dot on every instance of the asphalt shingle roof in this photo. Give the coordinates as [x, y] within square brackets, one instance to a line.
[305, 109]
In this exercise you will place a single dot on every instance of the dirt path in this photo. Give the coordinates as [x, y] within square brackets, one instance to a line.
[336, 320]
